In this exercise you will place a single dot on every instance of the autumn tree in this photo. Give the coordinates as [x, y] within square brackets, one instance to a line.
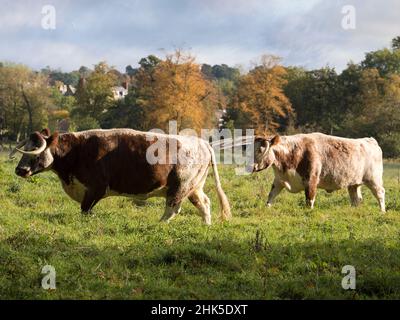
[260, 102]
[175, 89]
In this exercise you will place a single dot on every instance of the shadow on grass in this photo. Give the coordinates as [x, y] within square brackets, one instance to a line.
[213, 269]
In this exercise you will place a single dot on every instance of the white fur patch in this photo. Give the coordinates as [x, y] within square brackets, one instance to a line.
[343, 162]
[291, 180]
[76, 190]
[161, 192]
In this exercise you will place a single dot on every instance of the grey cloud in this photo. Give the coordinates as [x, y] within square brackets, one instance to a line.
[303, 32]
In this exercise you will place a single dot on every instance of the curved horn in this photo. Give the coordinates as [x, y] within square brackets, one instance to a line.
[36, 151]
[19, 145]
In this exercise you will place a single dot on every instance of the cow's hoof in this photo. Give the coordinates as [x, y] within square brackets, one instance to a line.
[269, 205]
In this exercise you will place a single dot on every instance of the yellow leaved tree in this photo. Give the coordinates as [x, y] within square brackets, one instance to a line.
[175, 89]
[260, 96]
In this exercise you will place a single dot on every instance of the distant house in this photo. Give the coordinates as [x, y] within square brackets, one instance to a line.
[66, 89]
[70, 91]
[219, 115]
[119, 92]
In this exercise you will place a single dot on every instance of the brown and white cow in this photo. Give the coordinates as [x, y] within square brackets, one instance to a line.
[95, 164]
[310, 161]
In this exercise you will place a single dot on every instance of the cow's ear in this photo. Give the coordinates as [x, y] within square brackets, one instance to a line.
[45, 132]
[36, 138]
[275, 140]
[262, 141]
[52, 140]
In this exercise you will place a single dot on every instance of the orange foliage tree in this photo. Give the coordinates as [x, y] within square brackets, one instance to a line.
[175, 89]
[260, 96]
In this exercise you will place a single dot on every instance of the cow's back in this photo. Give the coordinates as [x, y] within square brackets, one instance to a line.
[346, 162]
[118, 159]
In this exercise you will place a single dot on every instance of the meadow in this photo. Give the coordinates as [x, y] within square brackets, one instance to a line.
[121, 251]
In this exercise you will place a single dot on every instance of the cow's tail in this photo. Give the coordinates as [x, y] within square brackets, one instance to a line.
[225, 210]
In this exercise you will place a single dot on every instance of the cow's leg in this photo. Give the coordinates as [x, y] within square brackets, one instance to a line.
[311, 190]
[91, 197]
[275, 190]
[355, 195]
[200, 200]
[379, 192]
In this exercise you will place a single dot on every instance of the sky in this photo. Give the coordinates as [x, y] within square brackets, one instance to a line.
[306, 33]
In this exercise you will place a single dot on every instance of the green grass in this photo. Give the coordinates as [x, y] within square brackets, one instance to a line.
[122, 252]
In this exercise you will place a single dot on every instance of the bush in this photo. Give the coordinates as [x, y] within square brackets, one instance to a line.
[390, 144]
[86, 123]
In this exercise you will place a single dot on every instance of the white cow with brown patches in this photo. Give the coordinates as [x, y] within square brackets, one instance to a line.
[310, 161]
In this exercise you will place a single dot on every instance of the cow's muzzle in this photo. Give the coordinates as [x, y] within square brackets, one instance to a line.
[23, 172]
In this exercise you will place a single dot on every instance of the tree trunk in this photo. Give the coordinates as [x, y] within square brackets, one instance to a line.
[29, 109]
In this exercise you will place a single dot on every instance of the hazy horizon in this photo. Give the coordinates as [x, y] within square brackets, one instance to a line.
[304, 33]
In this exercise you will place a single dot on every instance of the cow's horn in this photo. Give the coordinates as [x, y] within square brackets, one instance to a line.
[19, 145]
[36, 151]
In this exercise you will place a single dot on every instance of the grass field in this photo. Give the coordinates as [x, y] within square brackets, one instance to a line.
[122, 252]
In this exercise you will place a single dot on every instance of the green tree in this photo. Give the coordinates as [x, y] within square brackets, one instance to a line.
[68, 78]
[396, 43]
[60, 107]
[94, 97]
[130, 71]
[374, 109]
[126, 113]
[149, 63]
[316, 97]
[25, 99]
[386, 61]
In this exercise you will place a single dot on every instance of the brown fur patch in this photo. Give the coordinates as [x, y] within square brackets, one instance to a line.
[117, 161]
[300, 158]
[45, 132]
[36, 138]
[52, 140]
